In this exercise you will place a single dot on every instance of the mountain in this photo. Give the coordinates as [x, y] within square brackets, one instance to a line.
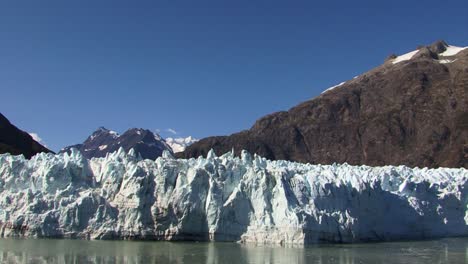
[180, 144]
[227, 198]
[103, 141]
[411, 110]
[16, 141]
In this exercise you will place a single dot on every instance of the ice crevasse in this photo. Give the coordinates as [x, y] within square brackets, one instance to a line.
[226, 198]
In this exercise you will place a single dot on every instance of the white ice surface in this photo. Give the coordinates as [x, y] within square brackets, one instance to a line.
[227, 198]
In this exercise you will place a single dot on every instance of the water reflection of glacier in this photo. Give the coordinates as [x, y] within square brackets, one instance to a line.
[82, 251]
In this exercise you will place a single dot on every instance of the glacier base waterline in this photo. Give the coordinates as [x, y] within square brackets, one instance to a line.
[226, 198]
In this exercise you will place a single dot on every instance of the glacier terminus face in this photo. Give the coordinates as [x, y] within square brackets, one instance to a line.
[226, 198]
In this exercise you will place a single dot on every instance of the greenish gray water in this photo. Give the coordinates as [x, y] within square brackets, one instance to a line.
[82, 251]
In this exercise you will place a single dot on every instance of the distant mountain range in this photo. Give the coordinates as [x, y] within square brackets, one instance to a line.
[16, 141]
[103, 141]
[411, 110]
[147, 144]
[180, 144]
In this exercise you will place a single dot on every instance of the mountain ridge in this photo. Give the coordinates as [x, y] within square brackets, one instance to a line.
[102, 141]
[16, 141]
[411, 110]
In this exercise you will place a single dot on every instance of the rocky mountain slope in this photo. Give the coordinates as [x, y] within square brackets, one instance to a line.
[103, 141]
[247, 199]
[16, 141]
[411, 110]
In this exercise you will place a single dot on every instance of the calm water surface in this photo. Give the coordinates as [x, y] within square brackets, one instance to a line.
[80, 251]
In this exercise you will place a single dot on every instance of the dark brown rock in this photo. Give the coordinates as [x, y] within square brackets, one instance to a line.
[412, 113]
[438, 47]
[391, 57]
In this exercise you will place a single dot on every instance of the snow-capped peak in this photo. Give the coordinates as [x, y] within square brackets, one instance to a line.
[180, 144]
[103, 141]
[103, 130]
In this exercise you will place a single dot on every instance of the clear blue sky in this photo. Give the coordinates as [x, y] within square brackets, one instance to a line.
[200, 67]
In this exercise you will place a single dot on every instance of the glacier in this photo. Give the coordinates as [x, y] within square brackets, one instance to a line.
[226, 198]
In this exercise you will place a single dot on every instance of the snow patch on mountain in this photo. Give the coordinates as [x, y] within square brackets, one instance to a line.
[227, 198]
[102, 147]
[451, 51]
[333, 87]
[38, 139]
[445, 61]
[405, 57]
